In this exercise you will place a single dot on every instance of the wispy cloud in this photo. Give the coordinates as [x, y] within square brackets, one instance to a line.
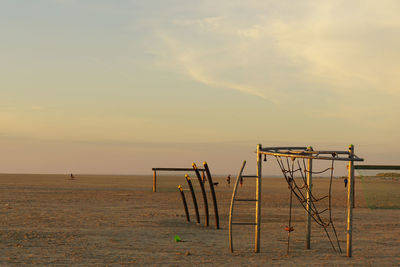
[334, 49]
[190, 63]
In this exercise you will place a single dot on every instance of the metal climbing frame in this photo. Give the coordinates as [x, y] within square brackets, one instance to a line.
[307, 153]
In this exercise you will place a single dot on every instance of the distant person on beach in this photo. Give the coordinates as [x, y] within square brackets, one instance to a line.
[228, 179]
[345, 182]
[72, 177]
[241, 181]
[204, 177]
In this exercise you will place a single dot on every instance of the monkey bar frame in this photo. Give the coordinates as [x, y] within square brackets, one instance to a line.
[310, 154]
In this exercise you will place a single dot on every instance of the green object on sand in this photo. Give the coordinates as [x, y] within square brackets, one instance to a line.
[177, 238]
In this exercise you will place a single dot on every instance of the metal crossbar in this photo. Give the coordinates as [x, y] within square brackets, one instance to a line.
[303, 152]
[377, 167]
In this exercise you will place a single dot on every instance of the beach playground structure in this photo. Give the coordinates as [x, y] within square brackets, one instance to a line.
[201, 181]
[203, 175]
[296, 164]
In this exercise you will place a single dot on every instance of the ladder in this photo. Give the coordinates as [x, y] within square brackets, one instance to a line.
[256, 200]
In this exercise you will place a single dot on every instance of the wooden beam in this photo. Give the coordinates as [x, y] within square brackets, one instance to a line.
[154, 181]
[203, 191]
[184, 203]
[309, 188]
[196, 208]
[279, 154]
[214, 198]
[176, 169]
[258, 203]
[377, 167]
[283, 148]
[350, 203]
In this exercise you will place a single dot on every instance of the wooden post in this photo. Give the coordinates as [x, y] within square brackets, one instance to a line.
[350, 202]
[154, 181]
[196, 209]
[203, 191]
[258, 203]
[184, 203]
[309, 188]
[214, 198]
[354, 185]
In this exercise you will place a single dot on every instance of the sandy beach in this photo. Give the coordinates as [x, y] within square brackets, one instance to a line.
[111, 220]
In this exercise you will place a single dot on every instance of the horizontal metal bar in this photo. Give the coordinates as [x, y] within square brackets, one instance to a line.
[303, 150]
[322, 152]
[288, 151]
[249, 176]
[245, 199]
[283, 147]
[244, 223]
[175, 169]
[377, 167]
[310, 157]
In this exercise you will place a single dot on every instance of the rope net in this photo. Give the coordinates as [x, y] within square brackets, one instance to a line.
[295, 173]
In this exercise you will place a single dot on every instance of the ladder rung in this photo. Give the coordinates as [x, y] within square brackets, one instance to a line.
[244, 223]
[249, 176]
[245, 199]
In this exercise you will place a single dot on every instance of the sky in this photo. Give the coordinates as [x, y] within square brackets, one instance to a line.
[95, 86]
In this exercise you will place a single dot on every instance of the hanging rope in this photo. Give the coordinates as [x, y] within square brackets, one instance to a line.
[289, 228]
[288, 171]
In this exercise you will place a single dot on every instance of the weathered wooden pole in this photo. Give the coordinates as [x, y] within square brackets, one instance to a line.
[214, 198]
[184, 203]
[309, 188]
[154, 181]
[350, 202]
[354, 185]
[196, 209]
[258, 203]
[203, 191]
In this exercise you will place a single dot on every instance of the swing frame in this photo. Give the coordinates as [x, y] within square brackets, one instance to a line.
[310, 154]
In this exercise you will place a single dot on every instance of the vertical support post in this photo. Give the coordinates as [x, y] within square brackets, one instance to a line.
[154, 181]
[203, 191]
[184, 203]
[214, 198]
[309, 188]
[354, 185]
[350, 202]
[196, 208]
[258, 203]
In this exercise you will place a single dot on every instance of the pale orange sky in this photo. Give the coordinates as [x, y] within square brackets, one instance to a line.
[120, 87]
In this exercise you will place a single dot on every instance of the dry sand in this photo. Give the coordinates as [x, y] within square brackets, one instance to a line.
[119, 221]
